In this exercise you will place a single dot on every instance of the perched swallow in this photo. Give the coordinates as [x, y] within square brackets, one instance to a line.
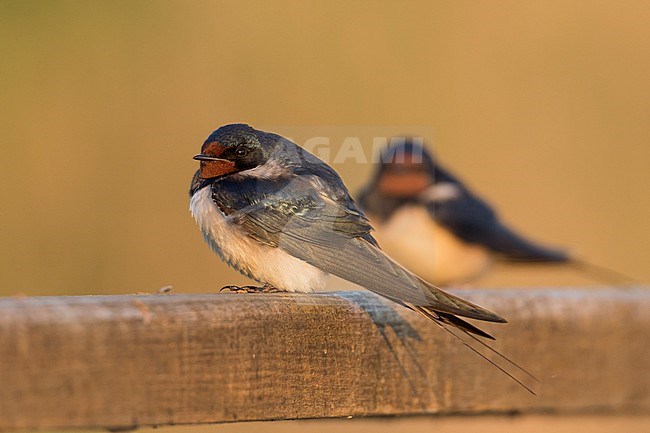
[284, 218]
[429, 221]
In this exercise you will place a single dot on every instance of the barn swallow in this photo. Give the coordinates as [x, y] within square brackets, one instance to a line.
[429, 221]
[281, 216]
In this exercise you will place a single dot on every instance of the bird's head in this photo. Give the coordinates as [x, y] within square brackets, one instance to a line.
[405, 170]
[230, 149]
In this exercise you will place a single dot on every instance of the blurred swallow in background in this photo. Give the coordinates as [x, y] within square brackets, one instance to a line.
[284, 218]
[429, 221]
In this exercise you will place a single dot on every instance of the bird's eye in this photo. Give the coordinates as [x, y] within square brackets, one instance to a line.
[241, 152]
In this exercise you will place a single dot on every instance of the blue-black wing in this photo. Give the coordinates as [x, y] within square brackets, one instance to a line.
[473, 221]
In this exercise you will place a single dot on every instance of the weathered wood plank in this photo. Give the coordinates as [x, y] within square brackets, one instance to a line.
[118, 361]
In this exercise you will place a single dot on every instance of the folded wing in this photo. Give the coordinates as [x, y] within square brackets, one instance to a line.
[473, 221]
[330, 233]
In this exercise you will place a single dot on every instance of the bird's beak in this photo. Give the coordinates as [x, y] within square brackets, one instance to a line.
[204, 157]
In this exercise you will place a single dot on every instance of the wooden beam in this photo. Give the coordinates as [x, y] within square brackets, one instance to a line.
[123, 361]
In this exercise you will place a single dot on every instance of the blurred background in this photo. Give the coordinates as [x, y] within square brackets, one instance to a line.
[542, 107]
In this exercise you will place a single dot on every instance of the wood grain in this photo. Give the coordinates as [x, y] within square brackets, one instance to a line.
[123, 361]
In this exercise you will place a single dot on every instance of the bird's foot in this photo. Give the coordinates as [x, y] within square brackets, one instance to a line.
[164, 290]
[266, 288]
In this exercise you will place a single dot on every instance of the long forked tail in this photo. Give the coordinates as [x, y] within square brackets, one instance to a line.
[603, 274]
[449, 323]
[598, 273]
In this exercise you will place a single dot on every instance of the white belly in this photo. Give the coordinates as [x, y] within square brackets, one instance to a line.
[417, 242]
[263, 263]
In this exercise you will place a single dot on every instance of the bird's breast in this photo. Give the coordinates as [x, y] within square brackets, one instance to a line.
[413, 238]
[263, 263]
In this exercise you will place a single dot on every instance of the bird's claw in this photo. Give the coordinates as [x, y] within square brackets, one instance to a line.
[164, 290]
[266, 288]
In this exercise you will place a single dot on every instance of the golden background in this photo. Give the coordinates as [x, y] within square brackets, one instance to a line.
[542, 107]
